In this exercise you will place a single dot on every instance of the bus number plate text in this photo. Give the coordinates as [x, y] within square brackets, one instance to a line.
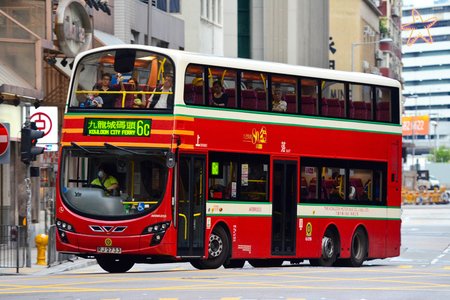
[109, 250]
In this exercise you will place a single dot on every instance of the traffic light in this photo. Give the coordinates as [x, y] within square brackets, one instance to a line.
[28, 147]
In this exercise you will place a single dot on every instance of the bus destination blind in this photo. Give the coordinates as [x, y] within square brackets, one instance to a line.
[117, 127]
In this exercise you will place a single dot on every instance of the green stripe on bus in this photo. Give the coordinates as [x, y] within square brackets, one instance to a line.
[347, 205]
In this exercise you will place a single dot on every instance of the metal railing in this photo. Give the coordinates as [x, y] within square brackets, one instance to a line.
[12, 246]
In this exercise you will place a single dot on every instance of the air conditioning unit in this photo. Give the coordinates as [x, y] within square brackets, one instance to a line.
[378, 54]
[372, 33]
[367, 30]
[395, 12]
[375, 70]
[365, 65]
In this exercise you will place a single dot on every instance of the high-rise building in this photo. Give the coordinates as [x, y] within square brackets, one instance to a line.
[426, 70]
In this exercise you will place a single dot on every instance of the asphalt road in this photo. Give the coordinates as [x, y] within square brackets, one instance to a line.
[422, 271]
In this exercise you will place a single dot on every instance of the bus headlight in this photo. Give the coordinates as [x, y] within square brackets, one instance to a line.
[158, 230]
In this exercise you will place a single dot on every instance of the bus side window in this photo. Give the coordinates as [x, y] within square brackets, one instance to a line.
[309, 96]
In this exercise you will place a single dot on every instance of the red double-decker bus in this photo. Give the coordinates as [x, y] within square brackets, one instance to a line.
[218, 161]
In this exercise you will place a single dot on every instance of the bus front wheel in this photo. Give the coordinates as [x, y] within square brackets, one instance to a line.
[329, 251]
[115, 264]
[217, 250]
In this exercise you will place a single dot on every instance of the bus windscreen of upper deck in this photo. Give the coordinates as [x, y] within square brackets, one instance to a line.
[141, 178]
[119, 79]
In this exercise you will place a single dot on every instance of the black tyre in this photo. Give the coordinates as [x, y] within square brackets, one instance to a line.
[265, 263]
[329, 251]
[116, 264]
[358, 249]
[234, 263]
[217, 250]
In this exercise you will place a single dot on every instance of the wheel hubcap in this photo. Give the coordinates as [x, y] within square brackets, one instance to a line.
[327, 247]
[215, 245]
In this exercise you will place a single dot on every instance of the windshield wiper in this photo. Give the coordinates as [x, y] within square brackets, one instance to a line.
[107, 145]
[84, 149]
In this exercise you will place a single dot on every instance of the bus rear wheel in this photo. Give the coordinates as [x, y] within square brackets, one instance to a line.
[116, 264]
[329, 251]
[217, 250]
[358, 249]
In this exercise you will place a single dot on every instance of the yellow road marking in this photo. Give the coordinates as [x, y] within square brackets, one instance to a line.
[404, 267]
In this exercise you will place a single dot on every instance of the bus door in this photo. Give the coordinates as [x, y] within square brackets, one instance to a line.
[191, 205]
[284, 207]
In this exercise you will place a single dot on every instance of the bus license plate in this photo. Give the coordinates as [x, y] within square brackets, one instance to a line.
[109, 250]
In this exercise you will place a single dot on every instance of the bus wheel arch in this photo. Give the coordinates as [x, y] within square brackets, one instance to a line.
[330, 248]
[218, 249]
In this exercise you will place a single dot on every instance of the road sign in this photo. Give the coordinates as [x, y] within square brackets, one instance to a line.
[4, 139]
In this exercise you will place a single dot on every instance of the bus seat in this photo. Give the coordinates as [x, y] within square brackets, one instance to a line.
[360, 110]
[231, 97]
[352, 109]
[199, 95]
[304, 183]
[329, 184]
[308, 105]
[334, 108]
[249, 100]
[262, 100]
[324, 107]
[358, 185]
[383, 112]
[291, 101]
[189, 93]
[325, 193]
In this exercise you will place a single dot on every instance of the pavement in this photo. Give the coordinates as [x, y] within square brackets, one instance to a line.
[42, 270]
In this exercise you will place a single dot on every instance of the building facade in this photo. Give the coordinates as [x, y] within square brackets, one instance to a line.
[426, 69]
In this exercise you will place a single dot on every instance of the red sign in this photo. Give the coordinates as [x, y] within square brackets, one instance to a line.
[4, 139]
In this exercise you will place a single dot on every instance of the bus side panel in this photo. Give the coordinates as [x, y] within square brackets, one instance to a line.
[376, 231]
[393, 238]
[247, 236]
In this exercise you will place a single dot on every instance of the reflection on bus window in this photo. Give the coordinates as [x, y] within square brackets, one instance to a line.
[309, 97]
[361, 96]
[142, 72]
[335, 96]
[384, 103]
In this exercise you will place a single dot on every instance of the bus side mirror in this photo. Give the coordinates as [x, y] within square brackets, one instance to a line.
[170, 160]
[124, 61]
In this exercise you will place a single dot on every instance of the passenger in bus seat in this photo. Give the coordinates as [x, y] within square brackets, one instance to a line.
[162, 100]
[133, 100]
[219, 98]
[278, 104]
[335, 194]
[94, 99]
[109, 100]
[105, 180]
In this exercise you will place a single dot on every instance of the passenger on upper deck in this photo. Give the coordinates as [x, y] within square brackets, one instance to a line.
[108, 99]
[94, 100]
[162, 100]
[219, 98]
[136, 100]
[278, 104]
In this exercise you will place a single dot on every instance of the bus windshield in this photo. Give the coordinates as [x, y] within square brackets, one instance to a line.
[112, 181]
[122, 79]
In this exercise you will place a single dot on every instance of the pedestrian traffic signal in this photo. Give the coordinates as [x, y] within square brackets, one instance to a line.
[28, 147]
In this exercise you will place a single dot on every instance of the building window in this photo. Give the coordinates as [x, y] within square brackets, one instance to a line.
[172, 6]
[244, 28]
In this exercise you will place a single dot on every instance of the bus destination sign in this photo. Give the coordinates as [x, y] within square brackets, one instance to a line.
[117, 127]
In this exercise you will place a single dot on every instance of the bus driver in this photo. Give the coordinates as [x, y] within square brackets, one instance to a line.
[105, 180]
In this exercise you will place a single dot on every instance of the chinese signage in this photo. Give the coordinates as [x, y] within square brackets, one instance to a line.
[117, 127]
[415, 125]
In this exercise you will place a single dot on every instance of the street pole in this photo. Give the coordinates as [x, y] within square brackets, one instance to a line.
[28, 184]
